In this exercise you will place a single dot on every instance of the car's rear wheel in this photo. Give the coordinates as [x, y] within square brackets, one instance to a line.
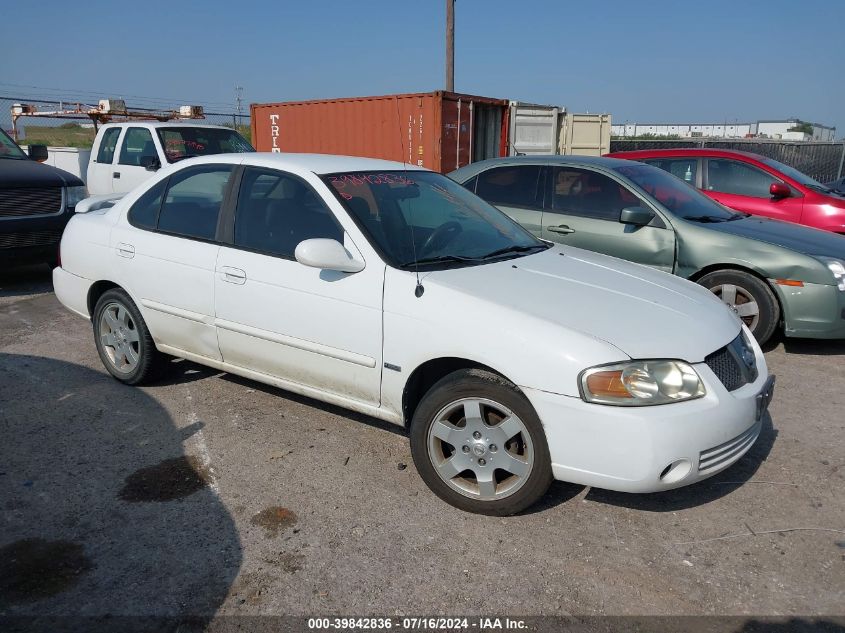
[123, 340]
[750, 297]
[479, 445]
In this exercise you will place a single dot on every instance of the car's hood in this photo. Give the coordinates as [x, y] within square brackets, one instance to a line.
[28, 173]
[643, 312]
[796, 237]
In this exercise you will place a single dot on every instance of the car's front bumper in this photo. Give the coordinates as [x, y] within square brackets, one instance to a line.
[32, 238]
[648, 449]
[812, 310]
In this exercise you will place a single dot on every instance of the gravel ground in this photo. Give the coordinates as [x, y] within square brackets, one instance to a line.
[207, 493]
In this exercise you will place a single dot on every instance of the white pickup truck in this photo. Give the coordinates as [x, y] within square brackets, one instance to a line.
[126, 154]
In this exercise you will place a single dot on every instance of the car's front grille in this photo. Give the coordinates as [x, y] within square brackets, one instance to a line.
[23, 201]
[734, 365]
[31, 238]
[719, 455]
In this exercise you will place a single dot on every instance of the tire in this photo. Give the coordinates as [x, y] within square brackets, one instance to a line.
[123, 341]
[505, 433]
[751, 298]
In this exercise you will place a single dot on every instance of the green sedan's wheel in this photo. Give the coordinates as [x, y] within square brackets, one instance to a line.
[750, 297]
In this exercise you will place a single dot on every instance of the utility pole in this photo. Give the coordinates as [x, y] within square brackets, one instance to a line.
[239, 91]
[450, 45]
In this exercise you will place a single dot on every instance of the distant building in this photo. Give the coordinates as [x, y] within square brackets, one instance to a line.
[760, 129]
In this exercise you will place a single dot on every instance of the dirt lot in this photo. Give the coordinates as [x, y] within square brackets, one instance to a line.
[206, 493]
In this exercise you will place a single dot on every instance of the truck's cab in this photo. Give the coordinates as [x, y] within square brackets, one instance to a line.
[126, 154]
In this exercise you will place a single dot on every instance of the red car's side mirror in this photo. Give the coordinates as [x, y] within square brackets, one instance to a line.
[779, 190]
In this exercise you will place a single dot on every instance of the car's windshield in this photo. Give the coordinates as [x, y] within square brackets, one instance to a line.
[793, 173]
[10, 149]
[683, 200]
[186, 142]
[423, 218]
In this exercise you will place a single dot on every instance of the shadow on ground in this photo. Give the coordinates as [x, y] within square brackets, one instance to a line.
[105, 511]
[703, 492]
[18, 281]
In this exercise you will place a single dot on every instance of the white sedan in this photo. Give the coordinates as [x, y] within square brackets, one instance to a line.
[393, 291]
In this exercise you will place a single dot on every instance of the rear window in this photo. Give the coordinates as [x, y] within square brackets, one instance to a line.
[186, 142]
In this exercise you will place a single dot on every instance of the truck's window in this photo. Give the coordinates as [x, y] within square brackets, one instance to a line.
[277, 211]
[193, 201]
[184, 142]
[137, 144]
[108, 145]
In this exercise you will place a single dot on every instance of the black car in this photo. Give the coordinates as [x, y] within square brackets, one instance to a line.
[36, 202]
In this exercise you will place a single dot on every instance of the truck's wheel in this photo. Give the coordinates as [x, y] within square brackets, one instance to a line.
[479, 445]
[750, 297]
[123, 340]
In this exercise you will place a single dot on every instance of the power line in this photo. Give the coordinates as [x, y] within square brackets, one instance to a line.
[103, 93]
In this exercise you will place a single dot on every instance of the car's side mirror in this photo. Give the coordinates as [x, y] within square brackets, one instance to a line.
[37, 153]
[150, 163]
[780, 190]
[327, 255]
[638, 216]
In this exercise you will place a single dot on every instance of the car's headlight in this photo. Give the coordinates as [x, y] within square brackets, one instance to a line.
[641, 382]
[75, 195]
[836, 267]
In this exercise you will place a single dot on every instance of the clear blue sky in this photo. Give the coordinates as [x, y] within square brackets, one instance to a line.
[641, 61]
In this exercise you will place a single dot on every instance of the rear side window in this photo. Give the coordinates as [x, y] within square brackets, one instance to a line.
[514, 185]
[684, 168]
[277, 211]
[192, 204]
[144, 212]
[107, 145]
[137, 144]
[730, 176]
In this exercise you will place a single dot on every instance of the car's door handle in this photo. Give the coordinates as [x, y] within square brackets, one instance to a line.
[562, 228]
[232, 275]
[116, 174]
[125, 250]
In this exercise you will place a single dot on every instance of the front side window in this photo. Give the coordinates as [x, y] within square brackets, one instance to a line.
[589, 194]
[137, 145]
[193, 200]
[423, 218]
[512, 186]
[107, 145]
[190, 141]
[10, 149]
[277, 211]
[684, 168]
[741, 179]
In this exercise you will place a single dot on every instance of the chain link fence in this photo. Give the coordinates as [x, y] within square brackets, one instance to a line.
[79, 131]
[822, 161]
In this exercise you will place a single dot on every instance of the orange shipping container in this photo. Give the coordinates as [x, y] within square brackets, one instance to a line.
[437, 130]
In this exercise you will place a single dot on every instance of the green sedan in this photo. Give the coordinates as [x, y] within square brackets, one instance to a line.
[774, 274]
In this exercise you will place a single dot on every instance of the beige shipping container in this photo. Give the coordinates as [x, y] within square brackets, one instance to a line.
[544, 129]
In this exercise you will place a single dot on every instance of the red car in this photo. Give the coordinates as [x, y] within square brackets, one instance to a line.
[752, 183]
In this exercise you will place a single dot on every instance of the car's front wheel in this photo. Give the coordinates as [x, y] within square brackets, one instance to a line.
[750, 297]
[122, 338]
[479, 445]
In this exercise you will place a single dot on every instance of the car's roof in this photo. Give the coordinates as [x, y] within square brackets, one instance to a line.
[316, 163]
[553, 159]
[687, 151]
